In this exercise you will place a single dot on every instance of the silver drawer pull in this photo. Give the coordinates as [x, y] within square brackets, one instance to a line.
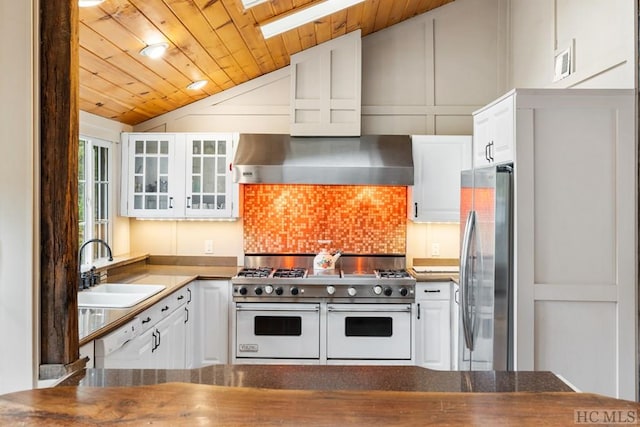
[283, 309]
[430, 291]
[403, 309]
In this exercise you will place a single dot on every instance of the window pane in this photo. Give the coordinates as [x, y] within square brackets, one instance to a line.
[221, 202]
[209, 147]
[81, 151]
[152, 147]
[221, 184]
[139, 147]
[81, 202]
[196, 167]
[137, 202]
[164, 147]
[139, 164]
[151, 175]
[164, 184]
[221, 164]
[104, 164]
[138, 184]
[195, 184]
[196, 147]
[208, 184]
[195, 202]
[150, 202]
[164, 165]
[93, 193]
[209, 202]
[222, 148]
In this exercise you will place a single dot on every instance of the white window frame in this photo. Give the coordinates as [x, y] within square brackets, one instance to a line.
[88, 254]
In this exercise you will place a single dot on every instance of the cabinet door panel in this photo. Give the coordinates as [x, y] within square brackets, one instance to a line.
[213, 322]
[209, 179]
[434, 344]
[438, 161]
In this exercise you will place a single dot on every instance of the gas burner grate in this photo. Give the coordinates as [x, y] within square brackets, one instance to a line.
[392, 274]
[296, 272]
[255, 272]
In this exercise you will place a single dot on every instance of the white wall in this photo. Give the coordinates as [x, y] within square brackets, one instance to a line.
[428, 74]
[18, 209]
[601, 32]
[422, 76]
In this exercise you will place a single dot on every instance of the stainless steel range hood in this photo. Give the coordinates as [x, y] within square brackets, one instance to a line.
[364, 160]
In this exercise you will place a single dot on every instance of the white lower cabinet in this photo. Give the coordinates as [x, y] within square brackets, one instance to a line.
[187, 329]
[433, 325]
[154, 339]
[212, 327]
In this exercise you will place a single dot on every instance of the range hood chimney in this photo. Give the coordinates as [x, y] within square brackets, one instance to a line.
[364, 160]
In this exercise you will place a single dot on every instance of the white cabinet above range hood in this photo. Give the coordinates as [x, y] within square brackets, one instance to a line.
[364, 160]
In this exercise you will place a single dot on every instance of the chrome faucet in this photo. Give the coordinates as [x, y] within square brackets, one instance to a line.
[86, 279]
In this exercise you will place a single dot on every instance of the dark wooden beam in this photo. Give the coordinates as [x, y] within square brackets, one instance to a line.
[59, 123]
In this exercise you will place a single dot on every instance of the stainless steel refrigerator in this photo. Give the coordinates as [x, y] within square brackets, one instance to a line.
[486, 269]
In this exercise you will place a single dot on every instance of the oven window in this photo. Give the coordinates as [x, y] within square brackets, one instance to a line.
[368, 326]
[277, 325]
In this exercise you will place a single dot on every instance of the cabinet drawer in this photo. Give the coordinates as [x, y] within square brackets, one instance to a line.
[433, 291]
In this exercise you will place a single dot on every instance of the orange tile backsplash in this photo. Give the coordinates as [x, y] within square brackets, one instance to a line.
[292, 218]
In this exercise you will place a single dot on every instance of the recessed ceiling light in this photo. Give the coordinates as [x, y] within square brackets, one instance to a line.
[197, 85]
[304, 16]
[89, 3]
[155, 51]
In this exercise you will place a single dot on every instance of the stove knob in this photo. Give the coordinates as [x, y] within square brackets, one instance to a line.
[294, 291]
[352, 292]
[279, 291]
[268, 289]
[377, 290]
[404, 292]
[331, 290]
[258, 291]
[243, 291]
[388, 291]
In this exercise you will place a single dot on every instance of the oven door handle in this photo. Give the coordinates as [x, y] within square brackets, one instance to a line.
[402, 309]
[240, 307]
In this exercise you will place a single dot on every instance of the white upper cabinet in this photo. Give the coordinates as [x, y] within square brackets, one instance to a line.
[493, 133]
[326, 88]
[152, 184]
[209, 182]
[178, 175]
[437, 162]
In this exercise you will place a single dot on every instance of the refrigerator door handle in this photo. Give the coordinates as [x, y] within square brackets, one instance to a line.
[465, 277]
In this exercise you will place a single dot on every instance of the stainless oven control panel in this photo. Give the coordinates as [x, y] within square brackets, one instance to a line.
[403, 292]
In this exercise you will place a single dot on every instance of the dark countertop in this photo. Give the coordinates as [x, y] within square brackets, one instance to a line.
[434, 277]
[331, 377]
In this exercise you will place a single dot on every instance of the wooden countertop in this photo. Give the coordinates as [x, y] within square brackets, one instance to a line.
[180, 404]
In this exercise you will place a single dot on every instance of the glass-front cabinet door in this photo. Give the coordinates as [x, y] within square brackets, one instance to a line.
[152, 187]
[209, 182]
[178, 175]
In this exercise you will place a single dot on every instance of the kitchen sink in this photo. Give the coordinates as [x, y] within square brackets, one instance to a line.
[116, 295]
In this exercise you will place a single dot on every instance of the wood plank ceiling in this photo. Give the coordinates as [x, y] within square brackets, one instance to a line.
[214, 40]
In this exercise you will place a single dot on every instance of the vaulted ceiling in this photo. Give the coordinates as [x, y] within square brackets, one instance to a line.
[213, 40]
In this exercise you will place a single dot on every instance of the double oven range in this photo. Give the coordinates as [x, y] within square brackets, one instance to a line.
[359, 313]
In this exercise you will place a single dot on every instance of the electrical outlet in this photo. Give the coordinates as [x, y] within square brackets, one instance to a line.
[435, 249]
[208, 246]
